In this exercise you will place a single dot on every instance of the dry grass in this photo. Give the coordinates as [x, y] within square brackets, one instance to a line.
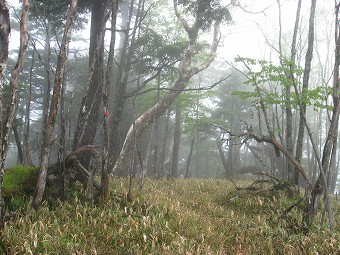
[168, 217]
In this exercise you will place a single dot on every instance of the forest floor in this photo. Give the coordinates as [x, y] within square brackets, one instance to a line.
[182, 216]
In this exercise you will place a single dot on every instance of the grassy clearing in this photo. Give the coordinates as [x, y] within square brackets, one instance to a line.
[168, 217]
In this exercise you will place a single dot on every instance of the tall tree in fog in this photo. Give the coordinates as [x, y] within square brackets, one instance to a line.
[205, 17]
[305, 84]
[104, 189]
[86, 128]
[52, 114]
[7, 115]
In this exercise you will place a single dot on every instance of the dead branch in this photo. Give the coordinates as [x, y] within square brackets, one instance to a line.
[54, 168]
[84, 171]
[74, 154]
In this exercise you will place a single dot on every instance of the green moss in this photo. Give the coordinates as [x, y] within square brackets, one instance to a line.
[19, 180]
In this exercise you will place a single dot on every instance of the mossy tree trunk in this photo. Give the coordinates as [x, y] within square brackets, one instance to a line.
[7, 119]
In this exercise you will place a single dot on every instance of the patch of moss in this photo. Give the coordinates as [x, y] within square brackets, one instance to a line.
[19, 180]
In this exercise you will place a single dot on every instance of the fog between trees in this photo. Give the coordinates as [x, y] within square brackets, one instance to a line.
[190, 89]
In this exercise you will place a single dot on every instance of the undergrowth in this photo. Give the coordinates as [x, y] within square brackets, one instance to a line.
[168, 217]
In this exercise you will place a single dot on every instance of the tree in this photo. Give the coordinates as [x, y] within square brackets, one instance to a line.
[88, 115]
[49, 125]
[305, 85]
[104, 189]
[7, 118]
[187, 68]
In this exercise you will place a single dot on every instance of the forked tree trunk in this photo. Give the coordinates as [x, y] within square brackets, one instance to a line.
[52, 115]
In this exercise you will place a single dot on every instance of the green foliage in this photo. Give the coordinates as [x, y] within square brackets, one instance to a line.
[274, 76]
[206, 12]
[19, 180]
[153, 51]
[170, 217]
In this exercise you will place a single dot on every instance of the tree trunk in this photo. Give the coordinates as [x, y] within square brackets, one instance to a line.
[165, 143]
[27, 161]
[88, 118]
[49, 128]
[17, 140]
[104, 189]
[62, 143]
[177, 143]
[122, 78]
[186, 175]
[223, 159]
[321, 185]
[4, 34]
[305, 85]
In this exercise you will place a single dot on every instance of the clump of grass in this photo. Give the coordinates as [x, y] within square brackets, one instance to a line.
[19, 181]
[167, 217]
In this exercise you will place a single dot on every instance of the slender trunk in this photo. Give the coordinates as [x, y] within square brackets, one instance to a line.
[223, 159]
[17, 141]
[27, 161]
[49, 128]
[156, 134]
[104, 191]
[321, 185]
[292, 177]
[177, 143]
[62, 144]
[305, 85]
[189, 158]
[122, 78]
[165, 142]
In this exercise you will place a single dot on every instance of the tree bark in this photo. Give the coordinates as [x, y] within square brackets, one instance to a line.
[49, 128]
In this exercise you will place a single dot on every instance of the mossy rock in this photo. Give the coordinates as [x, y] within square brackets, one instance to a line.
[19, 180]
